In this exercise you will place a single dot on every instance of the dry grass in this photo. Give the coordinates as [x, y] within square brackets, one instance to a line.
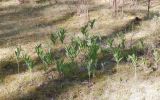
[34, 27]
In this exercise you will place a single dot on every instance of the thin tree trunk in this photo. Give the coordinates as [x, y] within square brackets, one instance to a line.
[115, 7]
[149, 3]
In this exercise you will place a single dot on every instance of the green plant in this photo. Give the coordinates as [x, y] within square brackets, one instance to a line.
[133, 50]
[133, 58]
[59, 64]
[39, 50]
[54, 37]
[79, 43]
[61, 34]
[89, 68]
[46, 57]
[76, 43]
[18, 53]
[84, 30]
[122, 38]
[110, 42]
[65, 69]
[143, 62]
[71, 52]
[93, 51]
[92, 22]
[91, 41]
[141, 44]
[117, 54]
[156, 57]
[29, 62]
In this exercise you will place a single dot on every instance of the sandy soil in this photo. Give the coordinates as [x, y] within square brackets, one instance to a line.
[30, 24]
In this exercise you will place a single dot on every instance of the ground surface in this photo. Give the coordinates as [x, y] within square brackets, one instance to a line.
[30, 24]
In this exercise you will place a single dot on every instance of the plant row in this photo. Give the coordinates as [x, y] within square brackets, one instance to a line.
[89, 46]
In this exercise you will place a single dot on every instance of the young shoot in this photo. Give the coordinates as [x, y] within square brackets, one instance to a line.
[59, 64]
[122, 38]
[76, 42]
[156, 57]
[144, 62]
[141, 44]
[29, 62]
[133, 58]
[110, 42]
[92, 22]
[84, 30]
[18, 53]
[39, 50]
[93, 51]
[92, 41]
[54, 37]
[89, 68]
[117, 54]
[46, 57]
[71, 52]
[79, 43]
[65, 69]
[61, 34]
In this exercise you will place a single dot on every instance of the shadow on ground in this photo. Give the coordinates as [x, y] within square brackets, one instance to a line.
[52, 88]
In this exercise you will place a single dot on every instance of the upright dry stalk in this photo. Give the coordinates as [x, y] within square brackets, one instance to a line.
[133, 58]
[149, 3]
[117, 5]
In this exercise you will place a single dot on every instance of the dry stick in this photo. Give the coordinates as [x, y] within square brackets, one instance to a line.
[115, 7]
[17, 59]
[17, 64]
[149, 3]
[122, 8]
[87, 11]
[18, 46]
[131, 38]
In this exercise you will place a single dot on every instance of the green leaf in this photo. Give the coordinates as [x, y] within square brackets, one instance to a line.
[71, 52]
[133, 58]
[29, 62]
[18, 52]
[117, 54]
[39, 50]
[61, 34]
[110, 42]
[54, 37]
[84, 30]
[92, 23]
